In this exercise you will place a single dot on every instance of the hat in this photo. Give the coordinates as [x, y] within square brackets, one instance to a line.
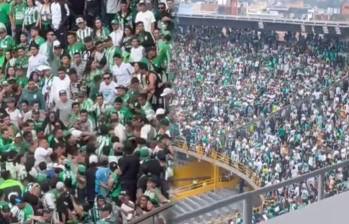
[144, 153]
[43, 68]
[167, 91]
[93, 159]
[114, 22]
[56, 43]
[160, 111]
[82, 168]
[59, 185]
[62, 92]
[79, 20]
[3, 27]
[117, 55]
[121, 87]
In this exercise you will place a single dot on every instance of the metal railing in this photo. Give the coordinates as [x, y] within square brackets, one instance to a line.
[159, 215]
[268, 20]
[249, 197]
[201, 187]
[237, 168]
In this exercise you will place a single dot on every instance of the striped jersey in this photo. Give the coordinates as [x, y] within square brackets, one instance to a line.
[83, 33]
[31, 16]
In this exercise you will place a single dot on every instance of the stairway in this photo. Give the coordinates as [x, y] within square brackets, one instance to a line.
[197, 202]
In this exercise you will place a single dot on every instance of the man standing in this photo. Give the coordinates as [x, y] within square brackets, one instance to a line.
[107, 88]
[35, 60]
[146, 16]
[83, 31]
[122, 72]
[63, 106]
[60, 82]
[60, 14]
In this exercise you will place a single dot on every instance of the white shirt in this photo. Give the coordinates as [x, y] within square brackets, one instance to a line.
[42, 154]
[56, 14]
[116, 37]
[58, 85]
[34, 62]
[108, 91]
[123, 74]
[120, 132]
[136, 54]
[43, 49]
[15, 116]
[147, 18]
[113, 6]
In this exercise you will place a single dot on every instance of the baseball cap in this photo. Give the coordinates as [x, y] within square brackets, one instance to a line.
[43, 68]
[93, 159]
[114, 21]
[56, 43]
[59, 185]
[62, 92]
[79, 20]
[160, 111]
[167, 91]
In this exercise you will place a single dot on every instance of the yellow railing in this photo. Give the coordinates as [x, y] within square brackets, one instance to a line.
[201, 187]
[213, 154]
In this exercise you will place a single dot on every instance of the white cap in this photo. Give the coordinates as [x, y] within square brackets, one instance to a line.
[167, 91]
[160, 111]
[56, 43]
[2, 26]
[43, 68]
[76, 133]
[59, 185]
[150, 116]
[79, 20]
[93, 159]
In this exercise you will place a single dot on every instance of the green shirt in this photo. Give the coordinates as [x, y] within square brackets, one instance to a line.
[7, 43]
[17, 11]
[5, 144]
[5, 9]
[77, 47]
[26, 213]
[22, 81]
[39, 40]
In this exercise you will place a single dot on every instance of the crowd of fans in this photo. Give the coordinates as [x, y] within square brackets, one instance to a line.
[85, 126]
[277, 104]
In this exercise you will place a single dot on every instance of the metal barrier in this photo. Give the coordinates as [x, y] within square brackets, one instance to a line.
[222, 161]
[157, 216]
[270, 20]
[201, 187]
[249, 197]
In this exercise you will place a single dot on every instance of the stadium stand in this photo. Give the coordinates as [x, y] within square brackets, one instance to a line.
[85, 127]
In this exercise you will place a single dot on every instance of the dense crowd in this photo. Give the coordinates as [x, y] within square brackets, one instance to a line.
[278, 104]
[85, 126]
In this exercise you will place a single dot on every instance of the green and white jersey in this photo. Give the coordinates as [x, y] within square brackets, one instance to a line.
[31, 16]
[7, 43]
[83, 33]
[18, 11]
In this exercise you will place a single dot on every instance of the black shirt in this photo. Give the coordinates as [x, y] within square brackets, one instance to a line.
[90, 183]
[152, 167]
[129, 166]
